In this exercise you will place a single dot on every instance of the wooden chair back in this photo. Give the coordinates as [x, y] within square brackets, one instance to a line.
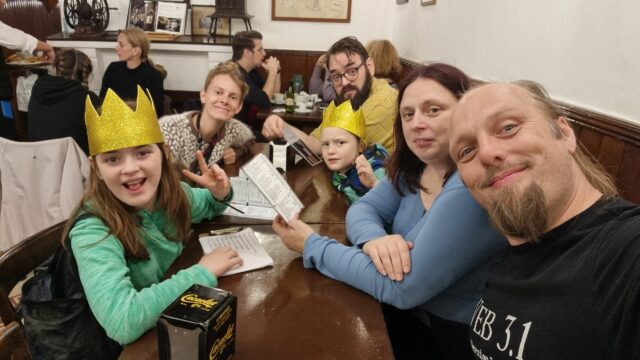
[13, 345]
[22, 258]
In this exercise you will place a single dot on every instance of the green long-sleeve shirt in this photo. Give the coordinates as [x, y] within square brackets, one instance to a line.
[127, 296]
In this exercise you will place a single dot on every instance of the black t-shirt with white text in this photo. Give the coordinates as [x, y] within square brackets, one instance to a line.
[573, 295]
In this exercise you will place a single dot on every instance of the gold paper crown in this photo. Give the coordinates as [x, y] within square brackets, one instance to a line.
[118, 127]
[344, 117]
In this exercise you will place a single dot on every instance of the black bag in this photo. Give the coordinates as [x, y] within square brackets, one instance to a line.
[58, 321]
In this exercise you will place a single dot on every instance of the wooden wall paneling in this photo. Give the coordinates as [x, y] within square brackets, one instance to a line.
[590, 139]
[32, 17]
[611, 152]
[295, 62]
[628, 176]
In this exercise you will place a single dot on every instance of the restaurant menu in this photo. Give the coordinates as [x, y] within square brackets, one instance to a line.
[300, 147]
[248, 199]
[245, 242]
[273, 186]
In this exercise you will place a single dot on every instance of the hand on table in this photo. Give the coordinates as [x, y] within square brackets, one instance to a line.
[229, 156]
[293, 234]
[220, 260]
[272, 127]
[213, 178]
[390, 255]
[365, 172]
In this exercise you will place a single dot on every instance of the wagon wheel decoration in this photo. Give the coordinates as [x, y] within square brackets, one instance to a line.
[85, 17]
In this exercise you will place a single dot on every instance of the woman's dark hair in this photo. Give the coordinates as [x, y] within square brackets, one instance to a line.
[403, 165]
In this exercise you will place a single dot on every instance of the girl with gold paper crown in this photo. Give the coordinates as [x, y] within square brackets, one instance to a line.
[138, 221]
[342, 139]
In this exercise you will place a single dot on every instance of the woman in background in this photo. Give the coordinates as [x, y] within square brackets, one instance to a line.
[386, 61]
[134, 68]
[56, 107]
[214, 131]
[319, 82]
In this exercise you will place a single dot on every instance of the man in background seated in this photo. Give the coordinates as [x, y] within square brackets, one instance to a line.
[351, 74]
[249, 53]
[569, 286]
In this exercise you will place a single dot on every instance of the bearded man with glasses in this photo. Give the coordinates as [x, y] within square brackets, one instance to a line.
[351, 74]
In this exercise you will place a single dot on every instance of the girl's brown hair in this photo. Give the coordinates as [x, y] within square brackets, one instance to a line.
[123, 221]
[73, 64]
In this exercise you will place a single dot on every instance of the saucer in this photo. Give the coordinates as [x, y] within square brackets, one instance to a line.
[299, 111]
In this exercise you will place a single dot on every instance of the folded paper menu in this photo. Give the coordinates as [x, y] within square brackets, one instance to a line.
[248, 199]
[273, 186]
[245, 242]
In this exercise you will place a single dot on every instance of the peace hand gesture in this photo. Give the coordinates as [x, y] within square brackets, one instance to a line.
[213, 178]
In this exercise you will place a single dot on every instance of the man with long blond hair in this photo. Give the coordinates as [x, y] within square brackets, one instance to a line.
[568, 288]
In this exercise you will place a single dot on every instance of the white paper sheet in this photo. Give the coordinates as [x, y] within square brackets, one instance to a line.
[273, 186]
[245, 242]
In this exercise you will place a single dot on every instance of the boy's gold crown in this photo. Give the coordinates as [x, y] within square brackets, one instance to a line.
[118, 126]
[344, 117]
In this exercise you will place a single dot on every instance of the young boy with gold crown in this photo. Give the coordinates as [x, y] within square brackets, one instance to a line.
[129, 227]
[355, 169]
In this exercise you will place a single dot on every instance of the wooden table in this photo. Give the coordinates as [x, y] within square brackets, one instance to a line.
[305, 122]
[288, 312]
[322, 203]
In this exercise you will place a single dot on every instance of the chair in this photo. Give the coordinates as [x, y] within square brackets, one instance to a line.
[20, 260]
[13, 345]
[41, 183]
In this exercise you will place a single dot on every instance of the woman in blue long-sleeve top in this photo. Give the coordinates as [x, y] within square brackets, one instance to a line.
[442, 242]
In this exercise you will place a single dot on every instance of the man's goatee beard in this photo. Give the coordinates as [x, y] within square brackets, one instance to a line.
[523, 216]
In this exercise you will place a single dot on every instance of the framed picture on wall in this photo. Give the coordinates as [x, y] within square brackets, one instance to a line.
[142, 14]
[427, 2]
[201, 21]
[171, 17]
[311, 10]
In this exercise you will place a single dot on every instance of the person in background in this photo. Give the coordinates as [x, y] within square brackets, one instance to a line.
[568, 287]
[139, 215]
[351, 72]
[214, 131]
[385, 56]
[431, 213]
[134, 68]
[248, 52]
[56, 107]
[319, 82]
[15, 39]
[356, 168]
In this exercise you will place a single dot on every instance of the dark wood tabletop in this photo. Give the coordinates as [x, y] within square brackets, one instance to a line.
[289, 312]
[305, 122]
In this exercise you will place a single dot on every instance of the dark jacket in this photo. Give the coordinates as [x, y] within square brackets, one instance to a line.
[56, 110]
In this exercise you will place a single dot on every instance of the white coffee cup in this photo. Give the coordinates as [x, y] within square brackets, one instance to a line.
[302, 106]
[278, 98]
[300, 98]
[314, 98]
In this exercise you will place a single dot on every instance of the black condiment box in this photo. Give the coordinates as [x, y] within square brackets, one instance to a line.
[200, 324]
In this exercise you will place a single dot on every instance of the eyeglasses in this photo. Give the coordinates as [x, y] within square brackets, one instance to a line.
[350, 75]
